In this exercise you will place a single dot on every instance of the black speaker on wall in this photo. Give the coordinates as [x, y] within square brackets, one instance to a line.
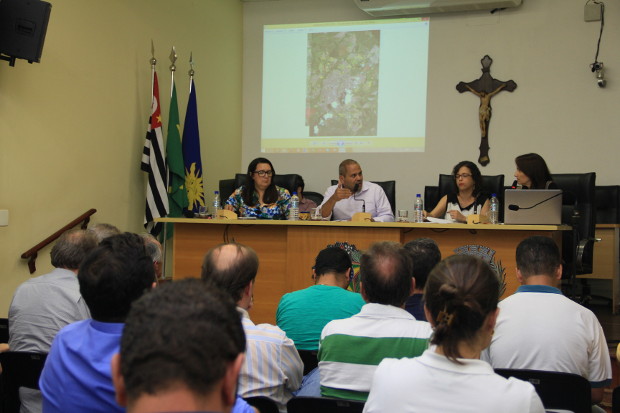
[23, 24]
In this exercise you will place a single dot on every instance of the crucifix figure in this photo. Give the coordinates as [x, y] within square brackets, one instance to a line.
[485, 88]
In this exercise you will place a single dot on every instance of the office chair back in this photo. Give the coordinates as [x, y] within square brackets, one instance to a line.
[615, 400]
[4, 330]
[389, 187]
[323, 405]
[314, 196]
[578, 195]
[226, 187]
[431, 197]
[263, 404]
[19, 369]
[557, 390]
[607, 204]
[310, 359]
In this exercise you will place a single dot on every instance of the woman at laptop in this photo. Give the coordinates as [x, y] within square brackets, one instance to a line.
[532, 172]
[467, 198]
[260, 197]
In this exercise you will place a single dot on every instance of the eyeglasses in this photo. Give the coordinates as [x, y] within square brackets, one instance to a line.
[464, 176]
[264, 173]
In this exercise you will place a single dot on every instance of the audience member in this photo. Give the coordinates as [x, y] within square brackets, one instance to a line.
[425, 255]
[461, 303]
[350, 349]
[43, 305]
[305, 204]
[352, 194]
[560, 335]
[181, 350]
[153, 249]
[272, 366]
[103, 231]
[303, 314]
[77, 376]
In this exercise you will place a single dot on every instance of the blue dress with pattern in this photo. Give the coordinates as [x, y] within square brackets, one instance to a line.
[277, 210]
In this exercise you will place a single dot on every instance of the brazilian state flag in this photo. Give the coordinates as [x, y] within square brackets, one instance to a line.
[191, 154]
[177, 194]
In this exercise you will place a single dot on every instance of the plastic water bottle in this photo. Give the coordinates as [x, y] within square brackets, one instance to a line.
[418, 209]
[217, 204]
[293, 212]
[494, 210]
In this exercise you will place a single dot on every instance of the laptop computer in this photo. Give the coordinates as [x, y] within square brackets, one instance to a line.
[533, 206]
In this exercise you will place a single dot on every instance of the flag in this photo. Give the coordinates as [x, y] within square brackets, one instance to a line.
[177, 195]
[154, 164]
[191, 154]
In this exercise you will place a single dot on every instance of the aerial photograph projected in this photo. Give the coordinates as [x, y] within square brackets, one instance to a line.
[343, 83]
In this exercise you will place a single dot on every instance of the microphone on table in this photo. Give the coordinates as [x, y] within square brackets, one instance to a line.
[514, 184]
[514, 207]
[355, 188]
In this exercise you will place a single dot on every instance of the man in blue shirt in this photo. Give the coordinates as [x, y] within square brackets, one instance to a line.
[77, 376]
[182, 348]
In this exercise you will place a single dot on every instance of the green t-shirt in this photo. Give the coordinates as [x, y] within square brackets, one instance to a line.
[303, 314]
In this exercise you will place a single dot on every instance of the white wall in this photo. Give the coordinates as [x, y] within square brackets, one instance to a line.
[557, 109]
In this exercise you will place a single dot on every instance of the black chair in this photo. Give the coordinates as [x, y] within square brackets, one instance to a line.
[607, 204]
[263, 404]
[314, 196]
[615, 400]
[431, 197]
[19, 369]
[4, 330]
[557, 390]
[578, 210]
[310, 359]
[226, 187]
[389, 187]
[323, 405]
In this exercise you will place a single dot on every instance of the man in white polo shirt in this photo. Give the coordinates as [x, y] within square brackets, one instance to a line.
[539, 328]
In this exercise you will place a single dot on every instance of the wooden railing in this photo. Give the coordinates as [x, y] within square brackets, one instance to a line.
[31, 254]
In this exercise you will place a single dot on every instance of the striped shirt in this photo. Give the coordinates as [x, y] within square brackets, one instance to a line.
[351, 349]
[272, 365]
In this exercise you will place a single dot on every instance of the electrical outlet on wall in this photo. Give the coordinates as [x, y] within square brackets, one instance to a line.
[4, 217]
[592, 12]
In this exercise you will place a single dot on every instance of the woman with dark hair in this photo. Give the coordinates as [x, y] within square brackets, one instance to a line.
[259, 197]
[532, 172]
[467, 198]
[461, 298]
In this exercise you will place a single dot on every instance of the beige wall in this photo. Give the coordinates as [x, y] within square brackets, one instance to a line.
[557, 109]
[73, 126]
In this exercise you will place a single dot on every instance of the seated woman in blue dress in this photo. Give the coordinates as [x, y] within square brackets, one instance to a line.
[259, 197]
[467, 198]
[532, 172]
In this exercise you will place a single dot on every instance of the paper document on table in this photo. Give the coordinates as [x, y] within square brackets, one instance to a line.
[439, 220]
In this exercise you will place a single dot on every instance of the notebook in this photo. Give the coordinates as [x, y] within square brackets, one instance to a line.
[533, 206]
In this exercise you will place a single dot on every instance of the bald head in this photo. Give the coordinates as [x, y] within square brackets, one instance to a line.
[230, 267]
[385, 271]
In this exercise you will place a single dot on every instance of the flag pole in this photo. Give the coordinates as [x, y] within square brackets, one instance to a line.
[153, 63]
[173, 68]
[191, 71]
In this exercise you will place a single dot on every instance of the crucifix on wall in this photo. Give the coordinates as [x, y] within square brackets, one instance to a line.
[485, 88]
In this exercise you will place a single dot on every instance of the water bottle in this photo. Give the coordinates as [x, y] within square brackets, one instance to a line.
[217, 204]
[494, 210]
[418, 209]
[293, 212]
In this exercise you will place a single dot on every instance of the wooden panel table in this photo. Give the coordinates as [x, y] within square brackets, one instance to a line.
[287, 249]
[607, 260]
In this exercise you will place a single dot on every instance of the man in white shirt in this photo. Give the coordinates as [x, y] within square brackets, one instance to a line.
[539, 328]
[272, 366]
[352, 194]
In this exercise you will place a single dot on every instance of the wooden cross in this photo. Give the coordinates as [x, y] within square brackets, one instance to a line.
[485, 88]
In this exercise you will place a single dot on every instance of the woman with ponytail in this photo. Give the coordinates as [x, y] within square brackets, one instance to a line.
[461, 298]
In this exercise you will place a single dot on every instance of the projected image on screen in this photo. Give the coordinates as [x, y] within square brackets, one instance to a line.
[345, 87]
[343, 83]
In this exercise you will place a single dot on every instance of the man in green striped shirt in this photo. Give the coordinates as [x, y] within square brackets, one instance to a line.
[351, 349]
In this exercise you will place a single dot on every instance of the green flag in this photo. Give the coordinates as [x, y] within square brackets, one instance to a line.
[177, 195]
